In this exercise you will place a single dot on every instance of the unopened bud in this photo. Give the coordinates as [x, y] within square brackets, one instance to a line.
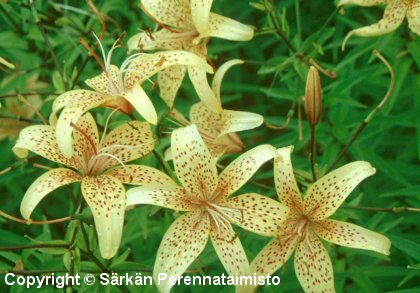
[313, 96]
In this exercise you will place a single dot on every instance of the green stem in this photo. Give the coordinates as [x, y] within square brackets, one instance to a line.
[30, 246]
[298, 24]
[312, 155]
[165, 165]
[385, 210]
[370, 116]
[28, 94]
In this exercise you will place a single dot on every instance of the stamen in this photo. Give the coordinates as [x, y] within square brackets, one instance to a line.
[106, 124]
[94, 55]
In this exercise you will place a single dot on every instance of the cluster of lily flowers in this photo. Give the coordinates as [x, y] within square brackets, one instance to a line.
[296, 224]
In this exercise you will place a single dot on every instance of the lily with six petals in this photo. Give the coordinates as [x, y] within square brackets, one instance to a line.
[395, 12]
[117, 88]
[218, 130]
[186, 25]
[210, 211]
[94, 164]
[308, 222]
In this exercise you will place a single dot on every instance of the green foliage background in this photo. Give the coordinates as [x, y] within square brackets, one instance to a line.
[271, 82]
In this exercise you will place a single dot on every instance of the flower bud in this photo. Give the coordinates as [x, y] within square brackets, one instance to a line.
[313, 96]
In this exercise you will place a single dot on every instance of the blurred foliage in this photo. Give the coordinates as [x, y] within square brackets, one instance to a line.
[271, 83]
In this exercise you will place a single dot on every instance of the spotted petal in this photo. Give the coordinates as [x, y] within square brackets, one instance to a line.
[220, 74]
[394, 14]
[194, 165]
[313, 266]
[180, 246]
[366, 3]
[198, 78]
[146, 65]
[413, 16]
[141, 175]
[71, 115]
[208, 122]
[273, 256]
[200, 10]
[229, 29]
[129, 141]
[241, 170]
[40, 139]
[257, 213]
[285, 181]
[160, 40]
[325, 196]
[106, 83]
[85, 139]
[105, 196]
[234, 121]
[171, 197]
[175, 13]
[45, 184]
[350, 235]
[229, 249]
[169, 81]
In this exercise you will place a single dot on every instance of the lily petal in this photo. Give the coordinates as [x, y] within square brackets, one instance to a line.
[105, 196]
[366, 3]
[71, 115]
[413, 16]
[129, 141]
[40, 139]
[169, 81]
[325, 196]
[194, 165]
[220, 74]
[106, 83]
[171, 198]
[229, 249]
[180, 246]
[257, 213]
[141, 102]
[146, 65]
[284, 178]
[198, 78]
[160, 40]
[273, 256]
[141, 175]
[313, 266]
[241, 170]
[45, 184]
[229, 29]
[85, 143]
[175, 13]
[208, 122]
[353, 236]
[394, 14]
[234, 121]
[200, 10]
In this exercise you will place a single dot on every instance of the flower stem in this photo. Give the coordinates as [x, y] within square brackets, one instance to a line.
[385, 210]
[312, 154]
[370, 116]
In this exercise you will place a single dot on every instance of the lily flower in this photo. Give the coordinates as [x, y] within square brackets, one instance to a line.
[116, 88]
[210, 211]
[308, 222]
[102, 186]
[186, 25]
[218, 130]
[395, 12]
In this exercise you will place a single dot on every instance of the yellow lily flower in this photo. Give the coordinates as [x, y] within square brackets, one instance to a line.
[102, 186]
[204, 196]
[218, 130]
[395, 12]
[186, 25]
[117, 88]
[307, 223]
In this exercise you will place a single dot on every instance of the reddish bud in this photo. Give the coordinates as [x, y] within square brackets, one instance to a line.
[313, 96]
